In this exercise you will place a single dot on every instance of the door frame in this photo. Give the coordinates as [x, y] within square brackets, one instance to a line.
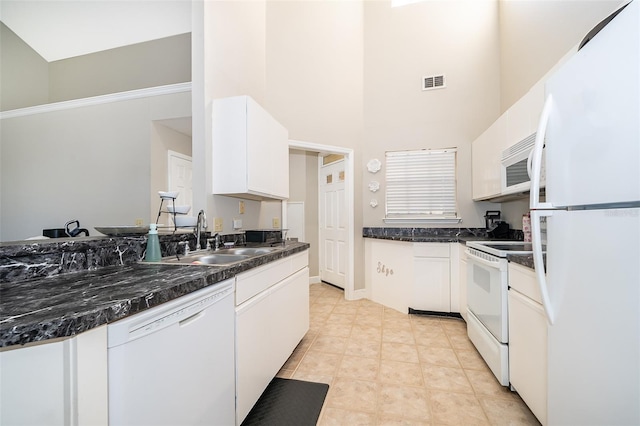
[322, 205]
[349, 291]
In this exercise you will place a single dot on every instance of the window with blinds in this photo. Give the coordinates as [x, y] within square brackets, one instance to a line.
[421, 185]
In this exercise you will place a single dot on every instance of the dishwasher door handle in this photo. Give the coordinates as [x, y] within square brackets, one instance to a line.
[193, 318]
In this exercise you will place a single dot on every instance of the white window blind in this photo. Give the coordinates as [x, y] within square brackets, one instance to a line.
[421, 184]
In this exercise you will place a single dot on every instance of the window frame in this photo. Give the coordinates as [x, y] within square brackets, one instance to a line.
[445, 182]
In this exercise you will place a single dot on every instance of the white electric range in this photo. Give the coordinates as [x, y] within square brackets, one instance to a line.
[487, 285]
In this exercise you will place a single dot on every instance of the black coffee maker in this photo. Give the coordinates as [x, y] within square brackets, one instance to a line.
[495, 227]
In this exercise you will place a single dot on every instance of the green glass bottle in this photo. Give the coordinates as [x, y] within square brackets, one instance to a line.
[153, 245]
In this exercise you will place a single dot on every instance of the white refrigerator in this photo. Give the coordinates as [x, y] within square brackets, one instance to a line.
[590, 128]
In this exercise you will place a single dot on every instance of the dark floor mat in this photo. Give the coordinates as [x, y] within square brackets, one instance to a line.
[288, 402]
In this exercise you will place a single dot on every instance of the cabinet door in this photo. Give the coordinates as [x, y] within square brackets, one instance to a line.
[486, 160]
[250, 150]
[60, 382]
[528, 352]
[389, 272]
[33, 374]
[431, 289]
[254, 364]
[289, 315]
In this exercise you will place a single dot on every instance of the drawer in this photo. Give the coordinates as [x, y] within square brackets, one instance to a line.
[431, 249]
[524, 280]
[255, 281]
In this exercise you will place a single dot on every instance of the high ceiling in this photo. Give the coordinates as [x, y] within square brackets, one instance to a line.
[60, 29]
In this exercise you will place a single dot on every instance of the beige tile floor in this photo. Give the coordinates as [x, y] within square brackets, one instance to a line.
[388, 368]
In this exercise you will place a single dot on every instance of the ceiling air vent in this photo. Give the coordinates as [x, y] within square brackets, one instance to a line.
[433, 82]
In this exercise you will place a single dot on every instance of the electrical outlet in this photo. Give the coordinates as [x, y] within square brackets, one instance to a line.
[139, 222]
[237, 223]
[217, 224]
[241, 207]
[275, 222]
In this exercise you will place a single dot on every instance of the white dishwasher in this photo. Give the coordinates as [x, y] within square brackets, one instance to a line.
[174, 364]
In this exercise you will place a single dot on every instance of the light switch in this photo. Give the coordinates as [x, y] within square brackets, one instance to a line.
[241, 207]
[275, 223]
[237, 223]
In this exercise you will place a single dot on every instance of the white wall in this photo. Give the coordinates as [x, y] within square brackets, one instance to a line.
[459, 39]
[314, 84]
[535, 34]
[228, 51]
[163, 139]
[303, 186]
[88, 163]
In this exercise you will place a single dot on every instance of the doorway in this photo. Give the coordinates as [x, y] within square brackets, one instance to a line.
[180, 172]
[347, 251]
[332, 221]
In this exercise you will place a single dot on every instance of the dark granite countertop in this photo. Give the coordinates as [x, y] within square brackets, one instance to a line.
[68, 304]
[444, 235]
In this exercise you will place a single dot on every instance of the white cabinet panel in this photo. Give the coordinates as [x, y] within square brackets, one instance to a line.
[431, 291]
[249, 150]
[253, 345]
[390, 272]
[403, 275]
[289, 316]
[57, 382]
[431, 277]
[527, 343]
[486, 160]
[269, 325]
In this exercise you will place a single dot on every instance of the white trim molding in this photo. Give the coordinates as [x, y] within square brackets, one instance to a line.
[96, 100]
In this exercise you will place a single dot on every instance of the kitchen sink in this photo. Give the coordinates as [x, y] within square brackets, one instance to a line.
[247, 251]
[219, 257]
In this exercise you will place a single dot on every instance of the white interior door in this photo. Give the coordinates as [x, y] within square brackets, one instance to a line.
[333, 224]
[180, 174]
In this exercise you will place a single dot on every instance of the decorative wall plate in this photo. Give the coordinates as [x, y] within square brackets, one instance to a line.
[374, 185]
[373, 203]
[374, 165]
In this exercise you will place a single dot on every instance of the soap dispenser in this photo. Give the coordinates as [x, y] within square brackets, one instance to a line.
[153, 245]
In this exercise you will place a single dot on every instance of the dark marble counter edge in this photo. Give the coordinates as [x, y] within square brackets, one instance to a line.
[68, 304]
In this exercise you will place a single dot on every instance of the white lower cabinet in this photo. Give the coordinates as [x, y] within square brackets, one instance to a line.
[527, 341]
[59, 382]
[403, 275]
[431, 280]
[389, 272]
[270, 323]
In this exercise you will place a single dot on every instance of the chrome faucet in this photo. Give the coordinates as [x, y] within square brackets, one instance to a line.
[201, 226]
[216, 241]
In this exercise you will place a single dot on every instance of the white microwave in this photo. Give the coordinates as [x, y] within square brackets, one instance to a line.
[516, 166]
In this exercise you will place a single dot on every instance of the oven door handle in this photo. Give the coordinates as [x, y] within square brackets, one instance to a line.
[480, 260]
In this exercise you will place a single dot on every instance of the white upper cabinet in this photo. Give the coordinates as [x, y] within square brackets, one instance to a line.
[250, 151]
[517, 123]
[523, 116]
[486, 156]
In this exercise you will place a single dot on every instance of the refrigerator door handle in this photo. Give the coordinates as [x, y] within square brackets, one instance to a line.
[538, 261]
[536, 158]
